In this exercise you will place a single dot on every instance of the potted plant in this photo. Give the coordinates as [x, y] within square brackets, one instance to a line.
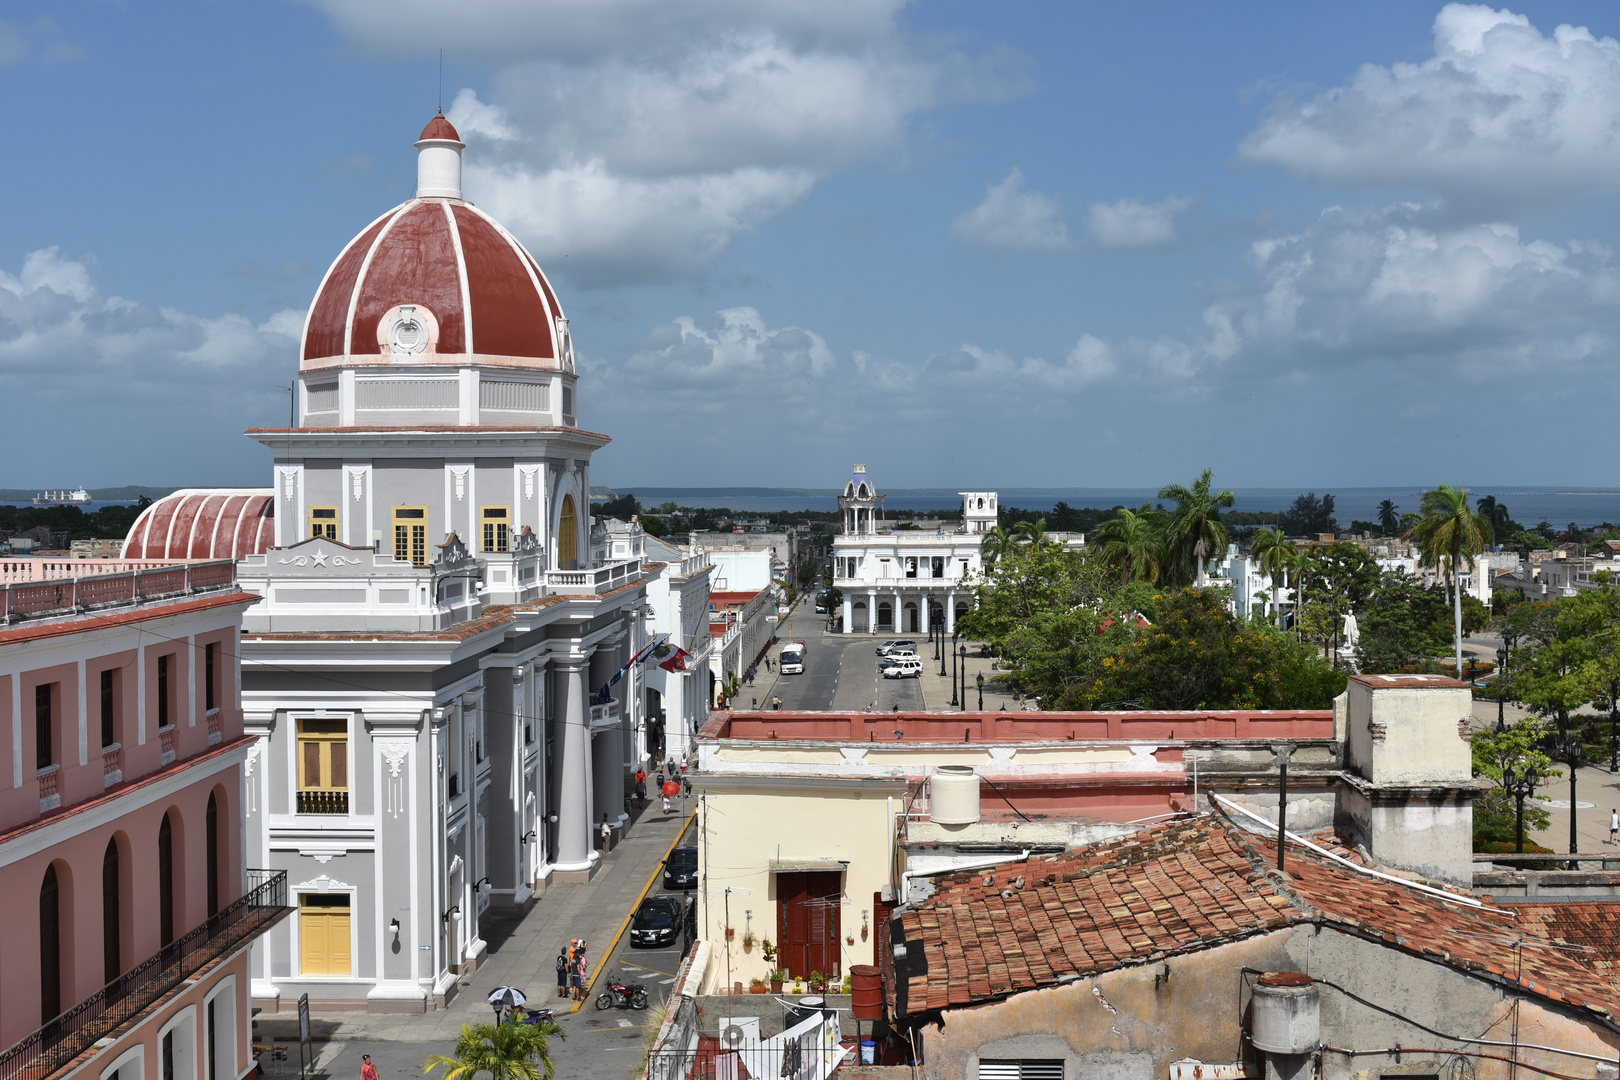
[849, 939]
[748, 940]
[798, 984]
[767, 950]
[730, 933]
[778, 977]
[849, 983]
[864, 930]
[756, 986]
[818, 982]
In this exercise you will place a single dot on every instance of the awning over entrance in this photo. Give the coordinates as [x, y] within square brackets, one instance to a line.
[797, 866]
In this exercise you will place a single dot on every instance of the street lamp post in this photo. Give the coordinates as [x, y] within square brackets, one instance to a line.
[952, 650]
[1519, 783]
[1501, 688]
[980, 680]
[963, 669]
[1570, 754]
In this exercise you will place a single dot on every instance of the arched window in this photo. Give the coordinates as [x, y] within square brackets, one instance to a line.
[212, 829]
[50, 948]
[165, 882]
[567, 537]
[111, 912]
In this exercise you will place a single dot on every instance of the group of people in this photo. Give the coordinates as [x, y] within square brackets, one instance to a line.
[572, 969]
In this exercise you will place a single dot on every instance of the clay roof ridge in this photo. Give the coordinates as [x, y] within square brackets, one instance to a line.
[1278, 880]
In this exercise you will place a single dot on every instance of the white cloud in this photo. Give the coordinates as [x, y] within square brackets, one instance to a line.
[1500, 119]
[61, 339]
[639, 138]
[1132, 223]
[1011, 219]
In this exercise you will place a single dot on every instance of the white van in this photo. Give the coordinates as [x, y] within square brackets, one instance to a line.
[903, 667]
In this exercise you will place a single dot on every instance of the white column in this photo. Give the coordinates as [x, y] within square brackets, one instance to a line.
[871, 611]
[849, 616]
[574, 769]
[950, 611]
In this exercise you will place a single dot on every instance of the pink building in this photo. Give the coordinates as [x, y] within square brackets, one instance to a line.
[129, 912]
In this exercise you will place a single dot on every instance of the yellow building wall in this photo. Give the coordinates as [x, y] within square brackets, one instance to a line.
[743, 830]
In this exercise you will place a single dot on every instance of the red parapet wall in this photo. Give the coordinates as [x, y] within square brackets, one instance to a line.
[1001, 727]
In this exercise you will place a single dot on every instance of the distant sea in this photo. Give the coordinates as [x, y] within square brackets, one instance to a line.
[1528, 505]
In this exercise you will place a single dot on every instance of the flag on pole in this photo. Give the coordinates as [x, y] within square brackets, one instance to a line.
[678, 661]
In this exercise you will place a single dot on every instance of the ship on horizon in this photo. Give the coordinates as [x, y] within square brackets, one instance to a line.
[76, 497]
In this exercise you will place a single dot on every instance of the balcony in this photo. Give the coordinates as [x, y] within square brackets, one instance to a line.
[322, 801]
[139, 992]
[604, 715]
[594, 582]
[38, 588]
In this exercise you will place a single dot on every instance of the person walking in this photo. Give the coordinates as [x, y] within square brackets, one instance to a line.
[562, 973]
[368, 1071]
[580, 970]
[1614, 826]
[607, 832]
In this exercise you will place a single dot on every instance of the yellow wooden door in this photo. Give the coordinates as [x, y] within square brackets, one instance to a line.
[323, 934]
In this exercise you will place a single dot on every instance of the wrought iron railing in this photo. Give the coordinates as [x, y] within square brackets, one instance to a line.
[133, 995]
[323, 801]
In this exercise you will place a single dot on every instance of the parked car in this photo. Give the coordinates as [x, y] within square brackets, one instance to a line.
[900, 644]
[904, 667]
[656, 921]
[680, 869]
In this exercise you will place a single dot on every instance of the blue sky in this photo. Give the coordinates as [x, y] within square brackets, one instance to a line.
[1011, 244]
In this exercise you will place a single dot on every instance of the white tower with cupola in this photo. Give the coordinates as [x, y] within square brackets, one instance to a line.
[860, 503]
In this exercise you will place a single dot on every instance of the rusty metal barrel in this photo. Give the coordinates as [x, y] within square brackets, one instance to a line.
[866, 992]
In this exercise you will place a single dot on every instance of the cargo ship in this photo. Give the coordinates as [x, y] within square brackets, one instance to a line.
[76, 497]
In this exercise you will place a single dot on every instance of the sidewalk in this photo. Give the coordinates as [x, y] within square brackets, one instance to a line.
[522, 952]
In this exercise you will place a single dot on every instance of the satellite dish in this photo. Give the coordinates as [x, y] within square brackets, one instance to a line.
[733, 1035]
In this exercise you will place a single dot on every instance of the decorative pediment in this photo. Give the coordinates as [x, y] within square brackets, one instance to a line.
[452, 554]
[319, 552]
[526, 543]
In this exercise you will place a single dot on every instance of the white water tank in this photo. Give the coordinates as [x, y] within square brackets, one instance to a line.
[953, 795]
[1287, 1013]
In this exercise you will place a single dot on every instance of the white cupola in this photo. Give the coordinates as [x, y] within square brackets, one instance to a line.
[438, 161]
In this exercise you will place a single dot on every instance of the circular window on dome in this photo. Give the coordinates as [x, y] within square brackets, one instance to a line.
[408, 330]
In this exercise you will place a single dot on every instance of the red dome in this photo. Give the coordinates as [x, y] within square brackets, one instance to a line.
[223, 523]
[483, 292]
[440, 128]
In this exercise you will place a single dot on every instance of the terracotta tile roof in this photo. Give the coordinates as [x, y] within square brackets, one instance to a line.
[1193, 884]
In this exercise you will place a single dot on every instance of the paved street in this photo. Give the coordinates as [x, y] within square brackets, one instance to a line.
[842, 673]
[600, 1045]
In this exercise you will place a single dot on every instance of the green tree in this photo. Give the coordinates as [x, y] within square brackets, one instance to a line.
[1030, 533]
[1194, 533]
[1198, 656]
[508, 1051]
[1342, 576]
[654, 526]
[1403, 626]
[1450, 534]
[1560, 638]
[1502, 523]
[1132, 544]
[1270, 551]
[1495, 814]
[994, 544]
[1389, 520]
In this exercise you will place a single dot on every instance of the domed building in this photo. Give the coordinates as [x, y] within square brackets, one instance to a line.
[441, 672]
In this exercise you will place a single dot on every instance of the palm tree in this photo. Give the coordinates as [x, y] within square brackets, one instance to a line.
[1296, 563]
[1270, 551]
[1389, 518]
[1195, 531]
[1030, 533]
[1131, 542]
[996, 543]
[513, 1050]
[1495, 513]
[1449, 533]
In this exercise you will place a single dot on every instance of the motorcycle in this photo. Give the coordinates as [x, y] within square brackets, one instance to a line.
[622, 993]
[539, 1016]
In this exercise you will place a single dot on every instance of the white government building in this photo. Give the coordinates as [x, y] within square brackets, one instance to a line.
[439, 613]
[905, 581]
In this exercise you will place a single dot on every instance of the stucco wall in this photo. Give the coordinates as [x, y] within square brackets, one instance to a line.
[1121, 1025]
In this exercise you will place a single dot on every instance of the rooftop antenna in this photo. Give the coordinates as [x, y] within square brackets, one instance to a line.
[441, 82]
